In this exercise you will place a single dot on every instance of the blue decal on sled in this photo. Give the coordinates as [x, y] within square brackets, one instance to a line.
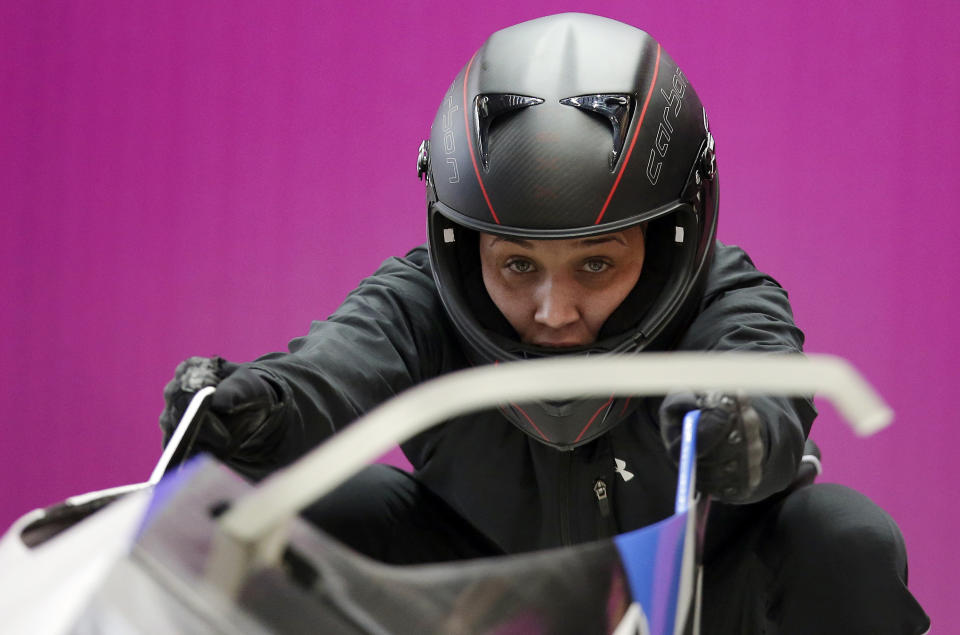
[653, 556]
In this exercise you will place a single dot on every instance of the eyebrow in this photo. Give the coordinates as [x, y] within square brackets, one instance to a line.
[585, 242]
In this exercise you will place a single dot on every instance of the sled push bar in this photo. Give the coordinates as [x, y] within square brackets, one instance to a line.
[254, 530]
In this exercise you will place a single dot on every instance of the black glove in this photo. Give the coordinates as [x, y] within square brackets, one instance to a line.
[731, 441]
[242, 411]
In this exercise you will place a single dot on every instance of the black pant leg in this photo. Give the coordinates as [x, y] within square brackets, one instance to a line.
[824, 559]
[840, 566]
[388, 515]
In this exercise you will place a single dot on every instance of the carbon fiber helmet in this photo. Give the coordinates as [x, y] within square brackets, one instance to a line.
[568, 126]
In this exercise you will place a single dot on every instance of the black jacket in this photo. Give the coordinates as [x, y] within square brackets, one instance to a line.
[392, 333]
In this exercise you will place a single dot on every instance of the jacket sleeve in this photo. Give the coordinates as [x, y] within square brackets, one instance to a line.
[744, 309]
[390, 333]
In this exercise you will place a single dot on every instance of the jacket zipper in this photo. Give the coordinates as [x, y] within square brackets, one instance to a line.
[608, 526]
[600, 490]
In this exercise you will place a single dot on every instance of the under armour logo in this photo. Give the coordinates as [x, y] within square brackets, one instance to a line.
[620, 469]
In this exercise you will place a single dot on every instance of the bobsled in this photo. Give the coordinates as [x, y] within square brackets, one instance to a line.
[197, 549]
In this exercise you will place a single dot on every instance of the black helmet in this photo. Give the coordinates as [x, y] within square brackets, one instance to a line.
[568, 126]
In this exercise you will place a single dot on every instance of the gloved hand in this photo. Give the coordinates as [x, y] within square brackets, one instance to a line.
[731, 441]
[241, 410]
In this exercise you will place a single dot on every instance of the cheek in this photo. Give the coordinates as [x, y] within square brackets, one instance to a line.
[603, 303]
[508, 300]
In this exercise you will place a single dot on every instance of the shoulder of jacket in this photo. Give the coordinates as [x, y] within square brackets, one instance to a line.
[415, 264]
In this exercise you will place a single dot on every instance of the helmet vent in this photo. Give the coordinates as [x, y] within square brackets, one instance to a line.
[490, 107]
[616, 109]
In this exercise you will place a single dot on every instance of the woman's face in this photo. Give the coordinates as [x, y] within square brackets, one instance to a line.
[559, 293]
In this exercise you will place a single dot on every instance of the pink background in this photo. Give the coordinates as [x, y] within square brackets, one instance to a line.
[182, 178]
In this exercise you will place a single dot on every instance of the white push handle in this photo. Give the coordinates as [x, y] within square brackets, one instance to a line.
[254, 530]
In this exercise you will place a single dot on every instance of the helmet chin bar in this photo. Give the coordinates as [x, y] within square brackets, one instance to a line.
[571, 423]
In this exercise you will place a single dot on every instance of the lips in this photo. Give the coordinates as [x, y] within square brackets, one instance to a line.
[571, 336]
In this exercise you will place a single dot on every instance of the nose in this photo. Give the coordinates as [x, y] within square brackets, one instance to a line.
[556, 303]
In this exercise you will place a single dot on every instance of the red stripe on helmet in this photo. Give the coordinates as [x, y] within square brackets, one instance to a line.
[530, 421]
[626, 159]
[466, 126]
[590, 423]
